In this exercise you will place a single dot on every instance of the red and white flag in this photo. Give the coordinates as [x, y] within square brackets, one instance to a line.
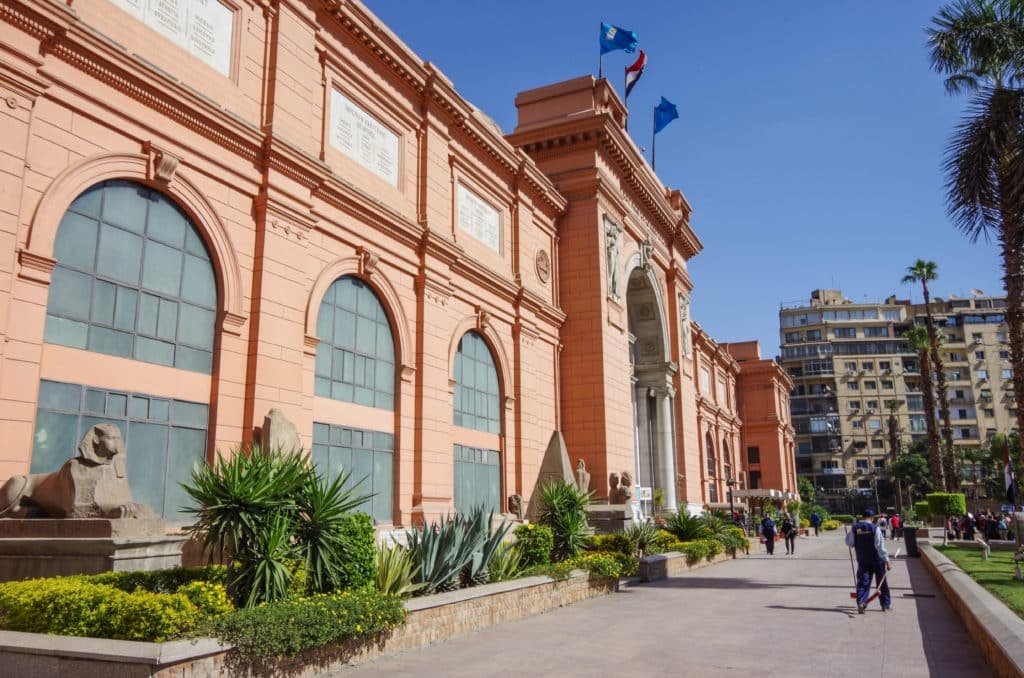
[634, 72]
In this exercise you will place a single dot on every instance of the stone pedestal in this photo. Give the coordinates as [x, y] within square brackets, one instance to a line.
[31, 548]
[609, 518]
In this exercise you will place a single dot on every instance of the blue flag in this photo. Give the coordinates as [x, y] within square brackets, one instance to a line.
[613, 38]
[664, 113]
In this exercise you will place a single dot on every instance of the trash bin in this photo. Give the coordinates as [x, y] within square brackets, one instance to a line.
[910, 541]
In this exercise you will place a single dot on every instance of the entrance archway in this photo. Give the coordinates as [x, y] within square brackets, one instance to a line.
[652, 391]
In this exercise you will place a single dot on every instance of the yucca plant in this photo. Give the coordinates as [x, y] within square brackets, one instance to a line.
[322, 508]
[262, 573]
[685, 527]
[716, 525]
[564, 510]
[396, 571]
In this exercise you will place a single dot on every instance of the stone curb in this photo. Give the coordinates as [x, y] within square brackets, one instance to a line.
[663, 565]
[997, 631]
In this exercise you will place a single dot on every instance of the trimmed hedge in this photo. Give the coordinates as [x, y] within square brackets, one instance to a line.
[284, 629]
[830, 525]
[614, 543]
[159, 581]
[69, 606]
[843, 518]
[358, 568]
[922, 510]
[946, 504]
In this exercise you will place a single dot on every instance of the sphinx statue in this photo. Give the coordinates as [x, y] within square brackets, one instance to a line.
[92, 485]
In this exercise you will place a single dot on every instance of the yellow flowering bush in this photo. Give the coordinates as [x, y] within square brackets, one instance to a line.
[535, 543]
[210, 599]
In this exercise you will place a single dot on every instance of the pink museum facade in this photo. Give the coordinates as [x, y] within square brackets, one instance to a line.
[240, 205]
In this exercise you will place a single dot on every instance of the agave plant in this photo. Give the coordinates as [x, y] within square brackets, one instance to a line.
[564, 510]
[686, 527]
[458, 549]
[643, 537]
[479, 524]
[507, 563]
[396, 571]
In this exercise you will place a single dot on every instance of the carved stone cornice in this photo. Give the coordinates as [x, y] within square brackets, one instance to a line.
[35, 267]
[232, 323]
[435, 291]
[309, 344]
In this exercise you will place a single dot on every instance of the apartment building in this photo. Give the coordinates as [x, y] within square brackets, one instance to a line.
[853, 370]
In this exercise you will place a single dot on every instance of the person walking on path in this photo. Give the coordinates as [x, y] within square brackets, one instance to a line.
[768, 532]
[872, 560]
[815, 522]
[789, 533]
[894, 525]
[883, 525]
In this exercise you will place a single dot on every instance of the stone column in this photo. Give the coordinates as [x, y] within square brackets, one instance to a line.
[666, 446]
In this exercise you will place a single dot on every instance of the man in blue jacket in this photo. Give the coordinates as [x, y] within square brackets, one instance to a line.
[768, 532]
[872, 560]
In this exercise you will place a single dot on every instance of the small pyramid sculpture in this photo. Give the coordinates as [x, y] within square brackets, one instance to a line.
[554, 466]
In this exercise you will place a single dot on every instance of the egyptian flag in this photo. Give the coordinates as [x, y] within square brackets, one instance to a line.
[634, 72]
[1011, 491]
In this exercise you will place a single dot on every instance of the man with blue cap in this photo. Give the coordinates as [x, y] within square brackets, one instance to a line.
[872, 559]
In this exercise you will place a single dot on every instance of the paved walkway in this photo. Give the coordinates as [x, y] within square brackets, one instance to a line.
[778, 616]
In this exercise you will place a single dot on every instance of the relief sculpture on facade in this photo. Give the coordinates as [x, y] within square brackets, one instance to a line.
[684, 326]
[611, 238]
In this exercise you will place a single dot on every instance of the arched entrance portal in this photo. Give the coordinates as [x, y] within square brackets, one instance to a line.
[652, 391]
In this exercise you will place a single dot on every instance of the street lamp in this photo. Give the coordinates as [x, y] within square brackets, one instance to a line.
[730, 483]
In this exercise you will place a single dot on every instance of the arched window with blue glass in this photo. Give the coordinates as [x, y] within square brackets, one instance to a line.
[133, 279]
[477, 406]
[355, 363]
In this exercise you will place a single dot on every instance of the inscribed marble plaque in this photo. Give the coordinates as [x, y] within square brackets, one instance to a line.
[363, 138]
[203, 27]
[477, 218]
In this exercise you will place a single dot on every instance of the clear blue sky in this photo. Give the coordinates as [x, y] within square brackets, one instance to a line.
[810, 138]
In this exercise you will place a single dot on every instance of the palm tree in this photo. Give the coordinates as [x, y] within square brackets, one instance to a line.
[917, 337]
[894, 447]
[979, 46]
[924, 271]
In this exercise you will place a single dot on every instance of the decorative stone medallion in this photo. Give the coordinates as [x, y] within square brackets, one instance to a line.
[543, 263]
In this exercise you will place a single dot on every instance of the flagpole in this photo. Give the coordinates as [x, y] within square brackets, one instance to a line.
[625, 97]
[654, 134]
[600, 54]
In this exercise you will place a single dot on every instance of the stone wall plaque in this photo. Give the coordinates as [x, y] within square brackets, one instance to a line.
[477, 218]
[203, 27]
[543, 262]
[363, 138]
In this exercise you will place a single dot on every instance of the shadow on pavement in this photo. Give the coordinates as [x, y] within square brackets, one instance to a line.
[698, 582]
[927, 601]
[847, 611]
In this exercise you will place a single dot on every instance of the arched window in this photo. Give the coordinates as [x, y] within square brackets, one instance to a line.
[726, 460]
[355, 359]
[133, 279]
[477, 406]
[709, 451]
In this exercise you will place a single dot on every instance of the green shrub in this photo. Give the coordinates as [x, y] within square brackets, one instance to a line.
[605, 564]
[209, 598]
[734, 539]
[159, 581]
[841, 518]
[69, 606]
[714, 546]
[558, 571]
[922, 510]
[805, 523]
[830, 525]
[286, 628]
[358, 565]
[694, 550]
[396, 571]
[618, 542]
[645, 538]
[535, 543]
[946, 504]
[563, 508]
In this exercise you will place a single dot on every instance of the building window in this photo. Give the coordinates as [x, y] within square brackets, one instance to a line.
[164, 438]
[887, 384]
[851, 367]
[844, 333]
[867, 367]
[862, 464]
[874, 424]
[854, 405]
[1006, 374]
[915, 402]
[477, 479]
[355, 359]
[876, 331]
[879, 463]
[712, 493]
[813, 335]
[990, 412]
[856, 423]
[918, 423]
[852, 386]
[870, 385]
[755, 478]
[705, 380]
[961, 414]
[793, 337]
[753, 455]
[982, 374]
[872, 404]
[884, 365]
[955, 357]
[876, 444]
[803, 447]
[133, 279]
[367, 455]
[1004, 355]
[477, 401]
[726, 460]
[975, 336]
[709, 451]
[979, 355]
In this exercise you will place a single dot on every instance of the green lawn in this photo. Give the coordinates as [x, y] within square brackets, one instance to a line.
[994, 574]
